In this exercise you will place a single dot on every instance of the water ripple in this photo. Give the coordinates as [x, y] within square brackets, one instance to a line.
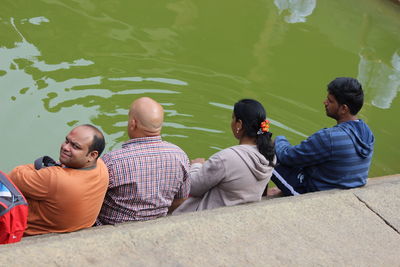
[274, 122]
[181, 126]
[141, 79]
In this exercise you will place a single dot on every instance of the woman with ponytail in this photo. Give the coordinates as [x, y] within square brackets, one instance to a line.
[238, 174]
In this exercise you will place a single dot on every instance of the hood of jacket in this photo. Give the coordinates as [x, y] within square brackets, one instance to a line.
[361, 135]
[255, 161]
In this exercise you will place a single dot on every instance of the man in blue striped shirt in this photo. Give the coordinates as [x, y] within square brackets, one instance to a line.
[336, 157]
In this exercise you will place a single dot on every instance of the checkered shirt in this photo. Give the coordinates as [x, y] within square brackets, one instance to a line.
[146, 175]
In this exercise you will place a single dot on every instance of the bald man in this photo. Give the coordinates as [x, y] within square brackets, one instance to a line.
[68, 196]
[148, 176]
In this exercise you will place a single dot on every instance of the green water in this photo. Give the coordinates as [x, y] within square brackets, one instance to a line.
[65, 63]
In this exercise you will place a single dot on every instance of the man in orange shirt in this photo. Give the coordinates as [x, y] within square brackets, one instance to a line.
[66, 197]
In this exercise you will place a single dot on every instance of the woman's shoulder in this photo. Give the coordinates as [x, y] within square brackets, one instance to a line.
[221, 156]
[233, 151]
[227, 151]
[244, 149]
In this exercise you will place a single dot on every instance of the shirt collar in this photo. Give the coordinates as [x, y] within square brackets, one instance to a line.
[142, 140]
[81, 169]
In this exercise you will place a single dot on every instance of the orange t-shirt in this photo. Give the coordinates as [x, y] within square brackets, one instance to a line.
[61, 199]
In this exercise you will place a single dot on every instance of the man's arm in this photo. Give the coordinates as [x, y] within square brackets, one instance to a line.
[34, 184]
[183, 192]
[106, 158]
[314, 150]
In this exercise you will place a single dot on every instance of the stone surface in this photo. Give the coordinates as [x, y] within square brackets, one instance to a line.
[383, 199]
[324, 228]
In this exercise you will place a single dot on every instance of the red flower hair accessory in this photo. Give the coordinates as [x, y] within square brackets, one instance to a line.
[264, 127]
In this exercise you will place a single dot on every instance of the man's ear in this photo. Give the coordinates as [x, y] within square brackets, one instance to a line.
[93, 155]
[133, 124]
[345, 108]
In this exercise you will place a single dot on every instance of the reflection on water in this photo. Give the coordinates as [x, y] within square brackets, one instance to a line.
[382, 80]
[141, 79]
[63, 65]
[298, 9]
[34, 79]
[67, 63]
[37, 20]
[181, 126]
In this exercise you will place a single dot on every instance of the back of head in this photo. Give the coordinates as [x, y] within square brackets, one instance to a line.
[252, 114]
[146, 117]
[347, 91]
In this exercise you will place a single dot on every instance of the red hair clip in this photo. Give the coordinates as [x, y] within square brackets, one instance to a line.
[264, 127]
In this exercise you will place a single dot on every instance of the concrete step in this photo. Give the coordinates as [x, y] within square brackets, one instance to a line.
[338, 227]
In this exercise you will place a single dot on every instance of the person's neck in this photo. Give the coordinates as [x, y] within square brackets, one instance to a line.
[348, 117]
[89, 166]
[141, 134]
[245, 140]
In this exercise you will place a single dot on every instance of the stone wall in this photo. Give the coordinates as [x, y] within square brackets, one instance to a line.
[358, 227]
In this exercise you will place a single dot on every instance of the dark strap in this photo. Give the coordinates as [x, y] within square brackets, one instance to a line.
[44, 162]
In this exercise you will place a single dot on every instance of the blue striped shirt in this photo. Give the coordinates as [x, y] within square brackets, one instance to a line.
[336, 157]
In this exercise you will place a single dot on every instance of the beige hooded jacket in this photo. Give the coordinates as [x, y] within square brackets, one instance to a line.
[235, 175]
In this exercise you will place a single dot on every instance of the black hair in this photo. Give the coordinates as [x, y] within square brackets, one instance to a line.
[252, 114]
[347, 91]
[98, 143]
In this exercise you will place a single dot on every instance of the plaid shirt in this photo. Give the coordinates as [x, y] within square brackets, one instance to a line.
[146, 174]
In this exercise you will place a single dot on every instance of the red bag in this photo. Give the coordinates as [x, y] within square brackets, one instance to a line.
[13, 211]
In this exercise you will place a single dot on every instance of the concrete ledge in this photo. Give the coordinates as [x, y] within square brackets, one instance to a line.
[340, 227]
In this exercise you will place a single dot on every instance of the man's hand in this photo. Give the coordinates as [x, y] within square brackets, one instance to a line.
[198, 160]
